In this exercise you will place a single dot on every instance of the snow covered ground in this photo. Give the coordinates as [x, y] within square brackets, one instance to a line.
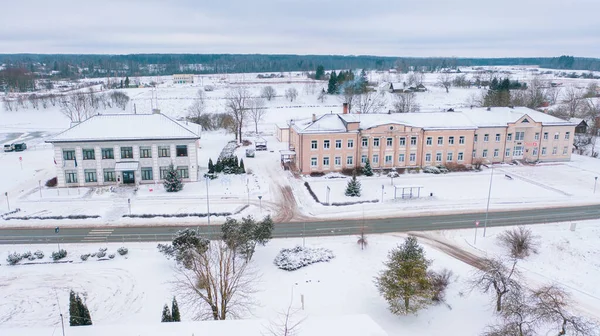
[132, 289]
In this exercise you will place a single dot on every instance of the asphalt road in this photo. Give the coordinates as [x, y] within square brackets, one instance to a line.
[308, 229]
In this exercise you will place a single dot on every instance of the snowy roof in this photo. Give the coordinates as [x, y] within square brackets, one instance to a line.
[351, 325]
[501, 116]
[426, 120]
[576, 120]
[326, 123]
[111, 127]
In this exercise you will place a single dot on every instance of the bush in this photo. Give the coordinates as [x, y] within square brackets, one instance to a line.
[520, 242]
[84, 257]
[103, 249]
[101, 254]
[431, 170]
[316, 174]
[59, 255]
[351, 172]
[211, 176]
[26, 255]
[393, 174]
[456, 167]
[298, 257]
[122, 250]
[311, 192]
[439, 282]
[111, 256]
[31, 258]
[246, 142]
[52, 182]
[93, 254]
[13, 258]
[39, 254]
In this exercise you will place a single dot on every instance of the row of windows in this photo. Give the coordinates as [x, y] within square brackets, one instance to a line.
[518, 151]
[314, 144]
[449, 157]
[520, 136]
[440, 140]
[337, 161]
[126, 152]
[110, 175]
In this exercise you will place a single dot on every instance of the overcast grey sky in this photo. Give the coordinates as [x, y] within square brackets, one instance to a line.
[463, 28]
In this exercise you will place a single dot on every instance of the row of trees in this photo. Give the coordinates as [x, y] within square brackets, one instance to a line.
[171, 315]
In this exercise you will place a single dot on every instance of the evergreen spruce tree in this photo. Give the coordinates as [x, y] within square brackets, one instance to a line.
[73, 310]
[166, 315]
[211, 167]
[86, 318]
[362, 82]
[332, 85]
[219, 166]
[242, 168]
[127, 81]
[320, 72]
[235, 163]
[172, 181]
[353, 187]
[176, 317]
[404, 282]
[367, 170]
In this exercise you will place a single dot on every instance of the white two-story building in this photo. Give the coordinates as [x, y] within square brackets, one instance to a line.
[125, 149]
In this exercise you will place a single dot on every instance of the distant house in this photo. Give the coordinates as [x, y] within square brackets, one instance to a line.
[581, 127]
[396, 87]
[114, 149]
[183, 79]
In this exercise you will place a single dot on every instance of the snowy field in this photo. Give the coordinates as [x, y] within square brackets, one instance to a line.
[131, 289]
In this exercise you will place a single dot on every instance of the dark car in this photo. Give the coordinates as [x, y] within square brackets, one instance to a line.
[19, 147]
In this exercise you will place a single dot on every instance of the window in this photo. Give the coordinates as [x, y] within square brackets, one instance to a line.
[337, 160]
[556, 136]
[363, 159]
[497, 137]
[429, 141]
[164, 151]
[518, 151]
[163, 172]
[413, 141]
[507, 152]
[535, 151]
[449, 156]
[147, 173]
[451, 140]
[400, 157]
[350, 160]
[461, 140]
[486, 137]
[109, 175]
[565, 150]
[183, 172]
[496, 152]
[89, 154]
[145, 152]
[326, 144]
[475, 138]
[338, 143]
[375, 158]
[181, 150]
[107, 154]
[440, 140]
[350, 143]
[519, 136]
[543, 150]
[474, 153]
[313, 144]
[554, 150]
[71, 176]
[326, 161]
[537, 136]
[438, 156]
[90, 175]
[428, 157]
[69, 154]
[402, 141]
[376, 142]
[509, 137]
[126, 152]
[545, 135]
[412, 157]
[389, 142]
[313, 162]
[567, 134]
[388, 159]
[460, 156]
[365, 142]
[484, 153]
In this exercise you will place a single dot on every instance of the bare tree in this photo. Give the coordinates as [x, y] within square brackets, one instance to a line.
[519, 242]
[415, 78]
[93, 98]
[445, 80]
[310, 88]
[212, 286]
[495, 274]
[257, 111]
[461, 81]
[8, 104]
[362, 239]
[34, 100]
[287, 323]
[322, 96]
[572, 101]
[119, 99]
[518, 316]
[348, 96]
[77, 107]
[475, 99]
[268, 92]
[198, 107]
[591, 108]
[406, 102]
[370, 102]
[52, 97]
[553, 305]
[291, 94]
[236, 103]
[591, 90]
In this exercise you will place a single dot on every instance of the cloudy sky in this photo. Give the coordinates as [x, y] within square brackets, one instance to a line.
[463, 28]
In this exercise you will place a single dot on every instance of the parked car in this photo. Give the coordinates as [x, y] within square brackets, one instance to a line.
[8, 148]
[443, 169]
[250, 153]
[19, 147]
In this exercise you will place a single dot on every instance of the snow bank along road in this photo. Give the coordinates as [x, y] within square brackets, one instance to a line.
[308, 228]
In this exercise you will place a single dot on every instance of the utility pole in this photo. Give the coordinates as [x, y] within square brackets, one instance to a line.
[207, 202]
[487, 209]
[7, 203]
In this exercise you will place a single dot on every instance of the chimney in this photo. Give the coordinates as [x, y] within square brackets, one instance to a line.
[155, 111]
[314, 117]
[345, 111]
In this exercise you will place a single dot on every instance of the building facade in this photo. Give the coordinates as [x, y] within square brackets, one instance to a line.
[124, 149]
[183, 79]
[334, 142]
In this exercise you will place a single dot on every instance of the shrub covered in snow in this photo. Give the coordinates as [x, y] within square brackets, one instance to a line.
[298, 257]
[93, 254]
[122, 250]
[39, 254]
[101, 254]
[26, 255]
[111, 256]
[84, 257]
[13, 258]
[31, 258]
[431, 170]
[57, 255]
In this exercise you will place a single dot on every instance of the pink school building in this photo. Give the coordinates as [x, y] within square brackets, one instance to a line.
[334, 142]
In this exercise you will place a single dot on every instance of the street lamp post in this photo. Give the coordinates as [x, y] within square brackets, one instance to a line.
[57, 230]
[129, 205]
[487, 209]
[328, 191]
[207, 202]
[260, 202]
[7, 203]
[382, 186]
[595, 181]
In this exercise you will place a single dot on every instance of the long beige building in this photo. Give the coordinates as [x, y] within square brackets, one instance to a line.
[334, 142]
